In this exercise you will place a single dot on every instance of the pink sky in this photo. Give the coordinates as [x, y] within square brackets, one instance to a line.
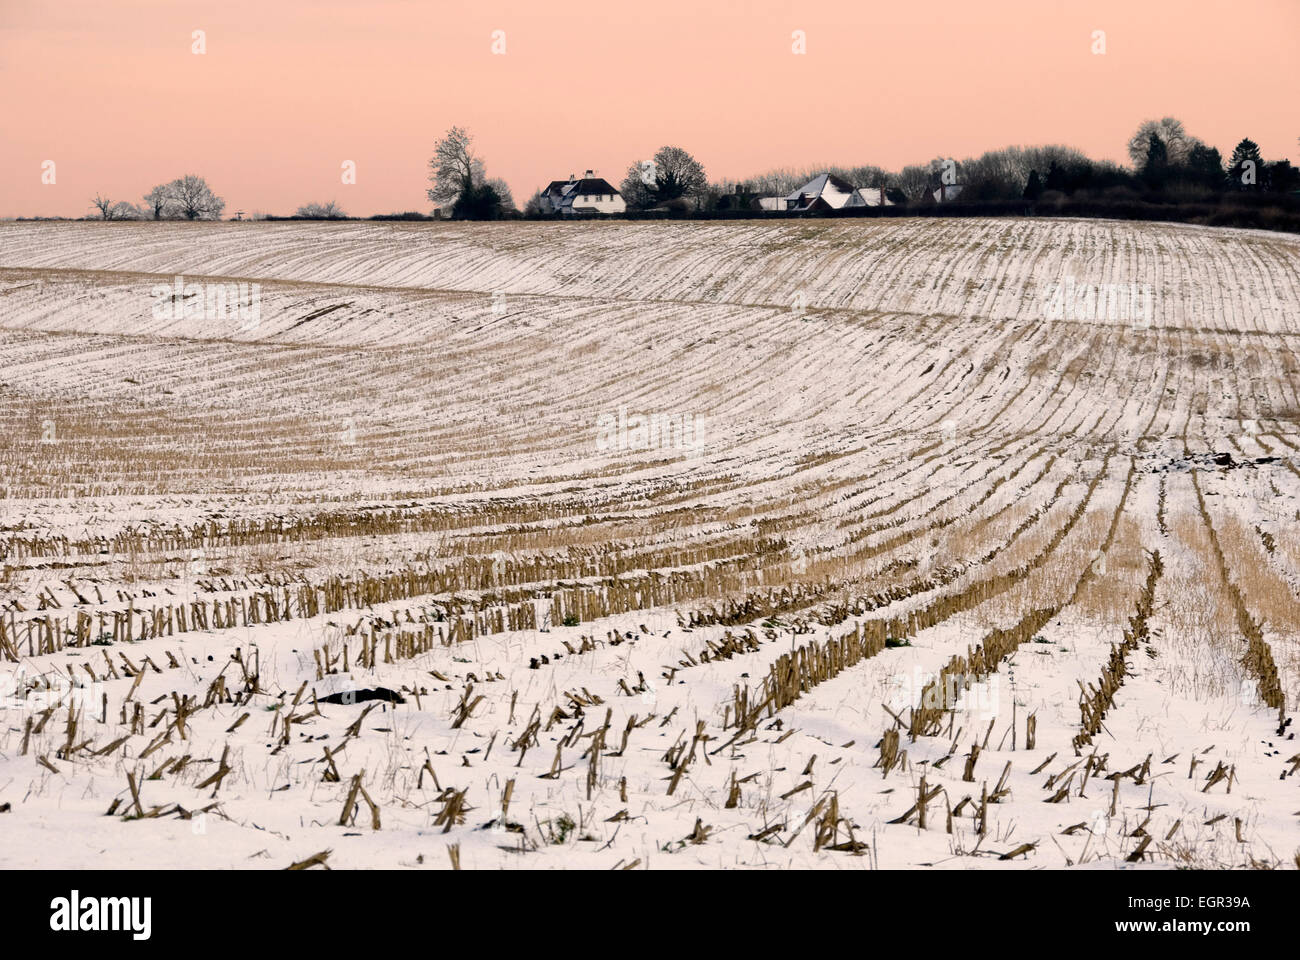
[289, 89]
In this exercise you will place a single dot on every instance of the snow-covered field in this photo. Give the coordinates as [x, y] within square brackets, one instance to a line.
[969, 543]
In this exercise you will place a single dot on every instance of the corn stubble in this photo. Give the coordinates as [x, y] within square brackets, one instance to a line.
[1025, 594]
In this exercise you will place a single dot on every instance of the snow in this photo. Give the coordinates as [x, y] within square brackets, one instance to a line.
[409, 438]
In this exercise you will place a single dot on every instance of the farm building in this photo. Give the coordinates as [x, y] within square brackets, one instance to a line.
[589, 195]
[829, 192]
[873, 197]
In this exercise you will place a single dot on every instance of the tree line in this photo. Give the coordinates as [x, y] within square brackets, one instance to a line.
[185, 198]
[1169, 166]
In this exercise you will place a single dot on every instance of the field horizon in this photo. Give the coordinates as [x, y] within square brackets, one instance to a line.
[967, 543]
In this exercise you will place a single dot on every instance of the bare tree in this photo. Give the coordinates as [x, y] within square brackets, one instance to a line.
[320, 211]
[534, 205]
[454, 168]
[105, 206]
[777, 182]
[194, 199]
[157, 202]
[124, 210]
[1168, 131]
[913, 181]
[672, 175]
[503, 192]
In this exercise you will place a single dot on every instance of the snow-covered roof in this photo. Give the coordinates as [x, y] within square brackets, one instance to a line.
[869, 197]
[836, 193]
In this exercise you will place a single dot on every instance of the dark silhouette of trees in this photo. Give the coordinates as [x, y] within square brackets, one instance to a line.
[672, 175]
[1055, 178]
[478, 202]
[1244, 169]
[1281, 177]
[1169, 131]
[459, 181]
[454, 168]
[193, 199]
[320, 211]
[1033, 187]
[1205, 167]
[1155, 168]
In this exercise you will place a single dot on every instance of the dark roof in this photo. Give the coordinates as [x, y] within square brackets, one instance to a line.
[564, 191]
[810, 203]
[840, 183]
[594, 185]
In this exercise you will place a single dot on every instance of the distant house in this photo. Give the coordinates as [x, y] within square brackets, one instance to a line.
[946, 192]
[740, 198]
[829, 192]
[874, 197]
[590, 195]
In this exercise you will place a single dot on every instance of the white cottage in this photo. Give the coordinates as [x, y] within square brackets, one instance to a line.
[589, 195]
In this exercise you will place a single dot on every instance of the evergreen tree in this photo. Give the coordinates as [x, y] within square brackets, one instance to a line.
[1281, 177]
[1244, 169]
[1206, 166]
[477, 202]
[1169, 131]
[1155, 170]
[1034, 187]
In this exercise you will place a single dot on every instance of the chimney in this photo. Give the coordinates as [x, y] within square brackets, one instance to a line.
[571, 178]
[589, 174]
